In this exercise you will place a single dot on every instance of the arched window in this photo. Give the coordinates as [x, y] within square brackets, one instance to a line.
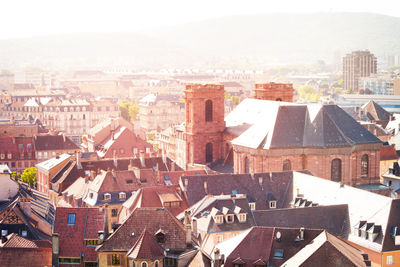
[209, 153]
[364, 165]
[156, 264]
[287, 165]
[336, 170]
[209, 110]
[246, 165]
[144, 264]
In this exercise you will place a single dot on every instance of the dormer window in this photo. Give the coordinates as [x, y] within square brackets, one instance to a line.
[122, 195]
[272, 204]
[242, 217]
[252, 205]
[230, 218]
[219, 219]
[107, 196]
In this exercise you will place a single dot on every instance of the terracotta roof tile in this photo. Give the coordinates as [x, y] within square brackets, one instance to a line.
[146, 247]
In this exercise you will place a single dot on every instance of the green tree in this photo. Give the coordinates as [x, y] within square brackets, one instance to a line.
[29, 176]
[308, 93]
[129, 110]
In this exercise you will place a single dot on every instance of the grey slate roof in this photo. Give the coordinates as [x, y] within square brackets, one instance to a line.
[375, 112]
[282, 125]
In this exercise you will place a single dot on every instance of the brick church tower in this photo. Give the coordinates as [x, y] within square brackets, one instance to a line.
[274, 91]
[204, 123]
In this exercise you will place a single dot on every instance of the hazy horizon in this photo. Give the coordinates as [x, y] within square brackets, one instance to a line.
[24, 18]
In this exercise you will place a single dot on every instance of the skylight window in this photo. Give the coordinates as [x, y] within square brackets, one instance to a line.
[71, 219]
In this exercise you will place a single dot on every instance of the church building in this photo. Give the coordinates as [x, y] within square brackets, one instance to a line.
[265, 134]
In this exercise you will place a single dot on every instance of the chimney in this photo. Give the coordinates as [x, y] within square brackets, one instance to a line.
[194, 226]
[205, 186]
[130, 166]
[115, 159]
[173, 166]
[78, 159]
[164, 157]
[142, 162]
[260, 180]
[63, 137]
[92, 175]
[301, 233]
[159, 153]
[112, 135]
[55, 249]
[188, 228]
[106, 218]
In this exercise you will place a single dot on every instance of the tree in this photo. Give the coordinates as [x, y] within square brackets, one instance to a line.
[29, 176]
[235, 100]
[308, 93]
[129, 110]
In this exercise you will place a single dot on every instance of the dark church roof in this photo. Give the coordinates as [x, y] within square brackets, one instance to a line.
[375, 112]
[287, 125]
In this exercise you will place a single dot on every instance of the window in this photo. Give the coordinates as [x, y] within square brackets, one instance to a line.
[364, 165]
[114, 212]
[9, 156]
[336, 170]
[144, 264]
[219, 219]
[115, 259]
[122, 195]
[287, 166]
[278, 253]
[229, 218]
[129, 181]
[389, 260]
[156, 264]
[107, 196]
[242, 217]
[24, 233]
[91, 242]
[71, 219]
[220, 238]
[272, 204]
[252, 205]
[169, 262]
[209, 110]
[147, 150]
[69, 260]
[4, 232]
[209, 153]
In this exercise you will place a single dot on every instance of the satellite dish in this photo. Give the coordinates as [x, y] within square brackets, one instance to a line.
[278, 235]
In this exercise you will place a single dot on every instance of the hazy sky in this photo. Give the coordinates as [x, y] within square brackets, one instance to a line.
[21, 18]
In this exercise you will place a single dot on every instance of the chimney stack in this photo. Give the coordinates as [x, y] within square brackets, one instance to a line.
[205, 186]
[173, 166]
[63, 137]
[78, 159]
[188, 228]
[55, 249]
[142, 162]
[115, 159]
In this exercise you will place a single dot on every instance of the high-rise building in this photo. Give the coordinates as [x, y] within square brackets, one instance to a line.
[355, 65]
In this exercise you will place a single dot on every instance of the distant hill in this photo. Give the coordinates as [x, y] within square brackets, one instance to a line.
[251, 38]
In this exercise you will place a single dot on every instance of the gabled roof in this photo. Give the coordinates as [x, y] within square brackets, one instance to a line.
[282, 125]
[128, 233]
[15, 241]
[375, 112]
[54, 142]
[333, 218]
[146, 248]
[327, 250]
[88, 221]
[255, 186]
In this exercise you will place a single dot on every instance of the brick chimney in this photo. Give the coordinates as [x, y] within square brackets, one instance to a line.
[78, 159]
[188, 228]
[115, 159]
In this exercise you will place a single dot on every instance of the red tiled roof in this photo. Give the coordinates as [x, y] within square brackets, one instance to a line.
[151, 219]
[15, 241]
[388, 153]
[146, 247]
[88, 221]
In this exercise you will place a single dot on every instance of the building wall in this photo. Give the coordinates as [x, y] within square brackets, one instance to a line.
[199, 132]
[274, 91]
[103, 259]
[317, 161]
[44, 176]
[355, 65]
